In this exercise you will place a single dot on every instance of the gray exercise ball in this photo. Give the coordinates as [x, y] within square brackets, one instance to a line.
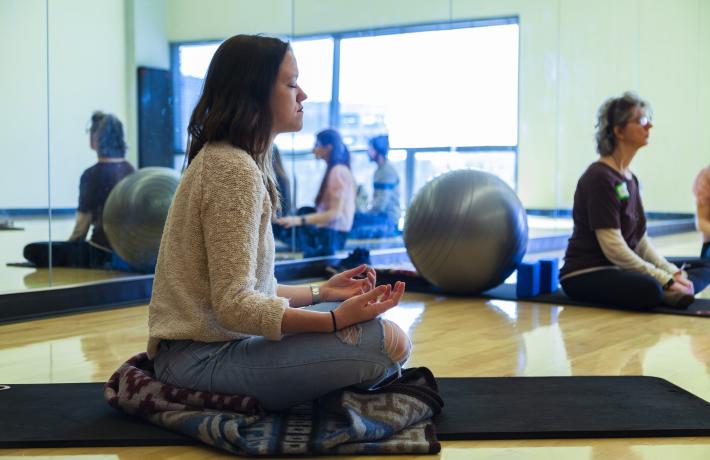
[135, 213]
[466, 231]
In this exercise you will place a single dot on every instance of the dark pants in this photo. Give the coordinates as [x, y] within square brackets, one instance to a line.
[629, 289]
[319, 241]
[368, 225]
[705, 251]
[311, 240]
[67, 254]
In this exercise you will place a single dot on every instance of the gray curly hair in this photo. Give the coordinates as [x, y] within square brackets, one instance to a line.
[615, 111]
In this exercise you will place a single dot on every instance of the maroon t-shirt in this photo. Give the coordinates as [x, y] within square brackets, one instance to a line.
[604, 199]
[94, 187]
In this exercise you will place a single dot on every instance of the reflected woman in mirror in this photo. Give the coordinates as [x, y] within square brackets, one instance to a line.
[324, 229]
[381, 219]
[107, 140]
[218, 319]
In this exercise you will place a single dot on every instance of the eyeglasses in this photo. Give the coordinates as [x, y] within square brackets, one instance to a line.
[644, 120]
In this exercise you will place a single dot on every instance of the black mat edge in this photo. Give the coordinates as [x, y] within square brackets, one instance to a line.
[176, 439]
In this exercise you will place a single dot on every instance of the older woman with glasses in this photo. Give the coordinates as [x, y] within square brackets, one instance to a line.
[609, 257]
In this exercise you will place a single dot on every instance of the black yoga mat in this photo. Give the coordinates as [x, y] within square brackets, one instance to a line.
[75, 415]
[24, 264]
[701, 307]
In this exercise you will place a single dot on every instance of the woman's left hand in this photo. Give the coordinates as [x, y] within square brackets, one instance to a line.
[349, 283]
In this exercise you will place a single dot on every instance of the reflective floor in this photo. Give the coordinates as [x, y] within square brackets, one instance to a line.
[13, 278]
[451, 336]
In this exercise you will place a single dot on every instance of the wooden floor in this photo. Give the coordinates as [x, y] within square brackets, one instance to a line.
[451, 336]
[16, 279]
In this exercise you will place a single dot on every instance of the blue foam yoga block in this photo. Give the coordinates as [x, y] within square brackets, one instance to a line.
[528, 279]
[549, 275]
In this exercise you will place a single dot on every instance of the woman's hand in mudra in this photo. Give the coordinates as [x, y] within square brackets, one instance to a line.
[370, 305]
[683, 285]
[356, 281]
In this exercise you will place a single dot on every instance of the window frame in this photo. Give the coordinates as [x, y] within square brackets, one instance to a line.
[334, 108]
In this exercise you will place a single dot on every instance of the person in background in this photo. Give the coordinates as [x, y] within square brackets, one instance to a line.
[324, 229]
[218, 319]
[385, 182]
[107, 140]
[609, 257]
[382, 217]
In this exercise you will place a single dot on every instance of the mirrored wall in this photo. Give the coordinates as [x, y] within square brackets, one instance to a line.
[97, 96]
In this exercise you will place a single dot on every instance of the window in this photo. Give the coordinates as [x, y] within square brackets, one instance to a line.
[446, 94]
[441, 88]
[315, 76]
[192, 63]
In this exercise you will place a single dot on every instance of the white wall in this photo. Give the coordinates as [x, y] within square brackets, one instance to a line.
[94, 50]
[196, 20]
[87, 61]
[23, 110]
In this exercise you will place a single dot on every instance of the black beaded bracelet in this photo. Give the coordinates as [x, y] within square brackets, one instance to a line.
[332, 316]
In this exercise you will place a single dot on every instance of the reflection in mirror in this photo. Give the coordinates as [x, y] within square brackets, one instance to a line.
[23, 133]
[396, 136]
[347, 189]
[71, 102]
[91, 146]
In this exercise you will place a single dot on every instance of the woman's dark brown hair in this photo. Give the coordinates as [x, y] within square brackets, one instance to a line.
[235, 101]
[339, 155]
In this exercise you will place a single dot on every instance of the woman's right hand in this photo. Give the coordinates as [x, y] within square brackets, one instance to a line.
[685, 287]
[288, 221]
[369, 305]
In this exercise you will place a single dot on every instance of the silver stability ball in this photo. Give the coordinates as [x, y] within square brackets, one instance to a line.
[466, 231]
[135, 213]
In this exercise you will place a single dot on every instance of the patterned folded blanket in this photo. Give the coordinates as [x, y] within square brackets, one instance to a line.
[395, 418]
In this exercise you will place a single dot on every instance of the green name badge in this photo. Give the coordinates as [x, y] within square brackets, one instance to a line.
[622, 191]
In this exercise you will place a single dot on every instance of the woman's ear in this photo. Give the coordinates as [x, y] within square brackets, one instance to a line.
[618, 132]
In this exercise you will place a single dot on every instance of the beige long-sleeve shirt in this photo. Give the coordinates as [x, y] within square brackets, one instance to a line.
[214, 279]
[643, 259]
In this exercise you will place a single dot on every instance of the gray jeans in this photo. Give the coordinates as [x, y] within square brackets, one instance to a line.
[299, 367]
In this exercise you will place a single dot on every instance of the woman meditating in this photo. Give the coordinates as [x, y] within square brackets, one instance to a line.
[609, 257]
[218, 320]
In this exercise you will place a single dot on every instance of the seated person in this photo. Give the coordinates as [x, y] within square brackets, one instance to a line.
[106, 139]
[323, 230]
[609, 257]
[219, 321]
[701, 190]
[382, 218]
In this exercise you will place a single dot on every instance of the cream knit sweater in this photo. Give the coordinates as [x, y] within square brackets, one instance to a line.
[214, 280]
